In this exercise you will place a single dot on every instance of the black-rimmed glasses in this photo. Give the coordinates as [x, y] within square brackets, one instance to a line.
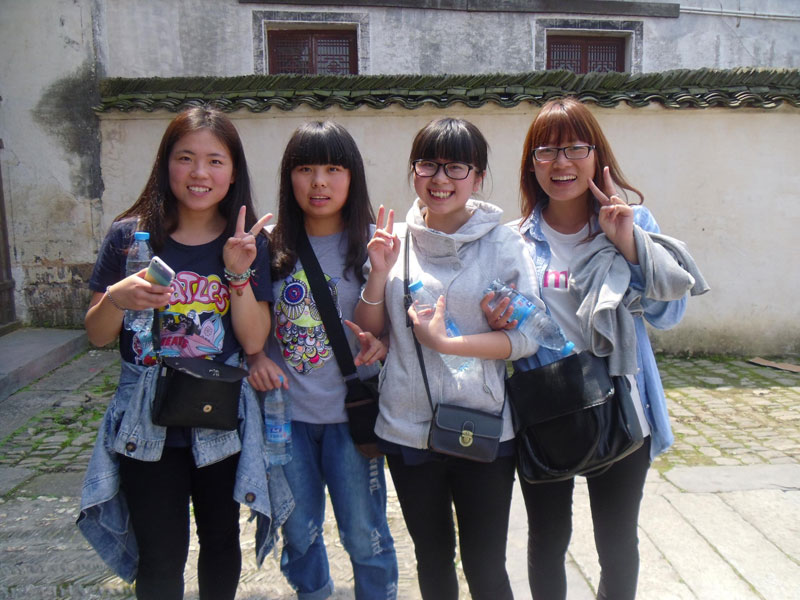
[429, 168]
[550, 153]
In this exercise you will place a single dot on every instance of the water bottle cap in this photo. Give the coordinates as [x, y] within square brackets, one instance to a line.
[567, 348]
[417, 285]
[141, 235]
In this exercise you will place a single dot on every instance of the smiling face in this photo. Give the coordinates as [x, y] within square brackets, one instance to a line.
[446, 198]
[564, 179]
[321, 191]
[201, 171]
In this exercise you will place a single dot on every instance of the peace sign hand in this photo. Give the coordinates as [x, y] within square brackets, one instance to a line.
[384, 247]
[616, 217]
[239, 251]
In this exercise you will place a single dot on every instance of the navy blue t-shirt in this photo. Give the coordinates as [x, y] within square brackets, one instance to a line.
[197, 321]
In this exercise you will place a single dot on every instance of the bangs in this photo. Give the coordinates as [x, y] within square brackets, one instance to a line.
[559, 126]
[322, 144]
[451, 140]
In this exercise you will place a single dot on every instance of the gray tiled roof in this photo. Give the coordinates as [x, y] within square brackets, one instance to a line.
[701, 88]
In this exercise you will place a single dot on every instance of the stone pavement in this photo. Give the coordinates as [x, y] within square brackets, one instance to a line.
[720, 517]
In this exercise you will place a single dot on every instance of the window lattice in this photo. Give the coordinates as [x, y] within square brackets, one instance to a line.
[586, 54]
[313, 52]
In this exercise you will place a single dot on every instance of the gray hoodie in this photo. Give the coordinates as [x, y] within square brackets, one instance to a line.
[460, 266]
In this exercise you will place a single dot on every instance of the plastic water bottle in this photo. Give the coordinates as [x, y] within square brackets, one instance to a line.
[139, 256]
[278, 423]
[459, 366]
[531, 319]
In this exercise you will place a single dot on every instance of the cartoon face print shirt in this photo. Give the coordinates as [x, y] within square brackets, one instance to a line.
[300, 344]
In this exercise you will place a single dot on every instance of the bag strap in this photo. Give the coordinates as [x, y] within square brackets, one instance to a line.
[407, 303]
[326, 307]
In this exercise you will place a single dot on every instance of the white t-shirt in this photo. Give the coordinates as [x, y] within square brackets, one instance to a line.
[564, 306]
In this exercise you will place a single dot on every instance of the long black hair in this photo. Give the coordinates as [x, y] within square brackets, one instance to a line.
[322, 143]
[157, 208]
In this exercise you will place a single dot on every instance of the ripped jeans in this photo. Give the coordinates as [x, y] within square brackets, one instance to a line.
[325, 455]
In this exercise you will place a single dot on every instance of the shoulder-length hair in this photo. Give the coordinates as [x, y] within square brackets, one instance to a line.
[454, 139]
[322, 143]
[157, 208]
[560, 121]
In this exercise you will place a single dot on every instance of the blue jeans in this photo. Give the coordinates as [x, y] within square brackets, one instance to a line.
[325, 455]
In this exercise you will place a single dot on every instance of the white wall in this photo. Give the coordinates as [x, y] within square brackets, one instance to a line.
[722, 180]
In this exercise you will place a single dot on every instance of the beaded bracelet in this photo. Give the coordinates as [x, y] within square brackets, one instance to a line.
[365, 301]
[114, 302]
[238, 277]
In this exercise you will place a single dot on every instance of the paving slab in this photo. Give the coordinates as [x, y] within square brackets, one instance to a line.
[728, 479]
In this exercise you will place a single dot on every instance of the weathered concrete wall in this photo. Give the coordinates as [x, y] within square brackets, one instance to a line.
[51, 160]
[215, 37]
[722, 180]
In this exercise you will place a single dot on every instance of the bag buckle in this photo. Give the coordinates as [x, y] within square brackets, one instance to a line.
[467, 436]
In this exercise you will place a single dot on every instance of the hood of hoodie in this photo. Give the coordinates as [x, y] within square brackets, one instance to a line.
[438, 245]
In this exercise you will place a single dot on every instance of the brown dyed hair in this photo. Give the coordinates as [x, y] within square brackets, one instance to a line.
[563, 120]
[157, 207]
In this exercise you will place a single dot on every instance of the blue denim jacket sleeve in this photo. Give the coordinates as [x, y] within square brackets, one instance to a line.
[127, 429]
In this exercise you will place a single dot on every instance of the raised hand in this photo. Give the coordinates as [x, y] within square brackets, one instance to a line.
[239, 251]
[384, 247]
[372, 349]
[616, 216]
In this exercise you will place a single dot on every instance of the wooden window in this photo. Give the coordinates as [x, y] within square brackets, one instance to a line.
[313, 52]
[586, 54]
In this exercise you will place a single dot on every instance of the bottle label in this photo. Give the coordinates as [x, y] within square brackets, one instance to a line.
[278, 433]
[522, 307]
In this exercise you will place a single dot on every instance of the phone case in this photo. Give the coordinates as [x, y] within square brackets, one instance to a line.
[159, 272]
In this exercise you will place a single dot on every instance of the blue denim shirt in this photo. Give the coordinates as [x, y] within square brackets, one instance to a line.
[661, 315]
[127, 428]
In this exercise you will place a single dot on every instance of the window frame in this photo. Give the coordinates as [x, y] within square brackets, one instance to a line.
[630, 31]
[265, 21]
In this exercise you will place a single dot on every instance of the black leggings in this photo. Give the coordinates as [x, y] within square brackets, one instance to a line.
[158, 495]
[615, 497]
[481, 494]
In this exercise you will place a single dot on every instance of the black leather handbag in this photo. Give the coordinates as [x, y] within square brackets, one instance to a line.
[572, 419]
[195, 392]
[361, 402]
[456, 430]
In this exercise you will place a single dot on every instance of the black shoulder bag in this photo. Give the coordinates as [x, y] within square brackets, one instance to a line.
[572, 418]
[361, 402]
[195, 392]
[455, 430]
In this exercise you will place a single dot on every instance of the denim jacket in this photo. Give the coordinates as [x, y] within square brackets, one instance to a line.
[127, 428]
[661, 315]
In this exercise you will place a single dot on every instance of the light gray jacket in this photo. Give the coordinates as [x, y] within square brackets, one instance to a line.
[460, 266]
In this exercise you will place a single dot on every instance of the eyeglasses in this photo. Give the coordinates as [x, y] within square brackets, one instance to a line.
[550, 153]
[429, 168]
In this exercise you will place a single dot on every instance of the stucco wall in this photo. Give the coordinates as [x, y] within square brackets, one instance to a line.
[723, 181]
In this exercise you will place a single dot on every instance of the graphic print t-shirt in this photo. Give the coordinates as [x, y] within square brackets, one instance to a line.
[299, 343]
[197, 321]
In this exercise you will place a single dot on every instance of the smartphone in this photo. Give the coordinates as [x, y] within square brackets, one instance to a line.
[159, 272]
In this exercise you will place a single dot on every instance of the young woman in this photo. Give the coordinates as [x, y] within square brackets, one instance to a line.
[199, 213]
[323, 194]
[569, 180]
[457, 247]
